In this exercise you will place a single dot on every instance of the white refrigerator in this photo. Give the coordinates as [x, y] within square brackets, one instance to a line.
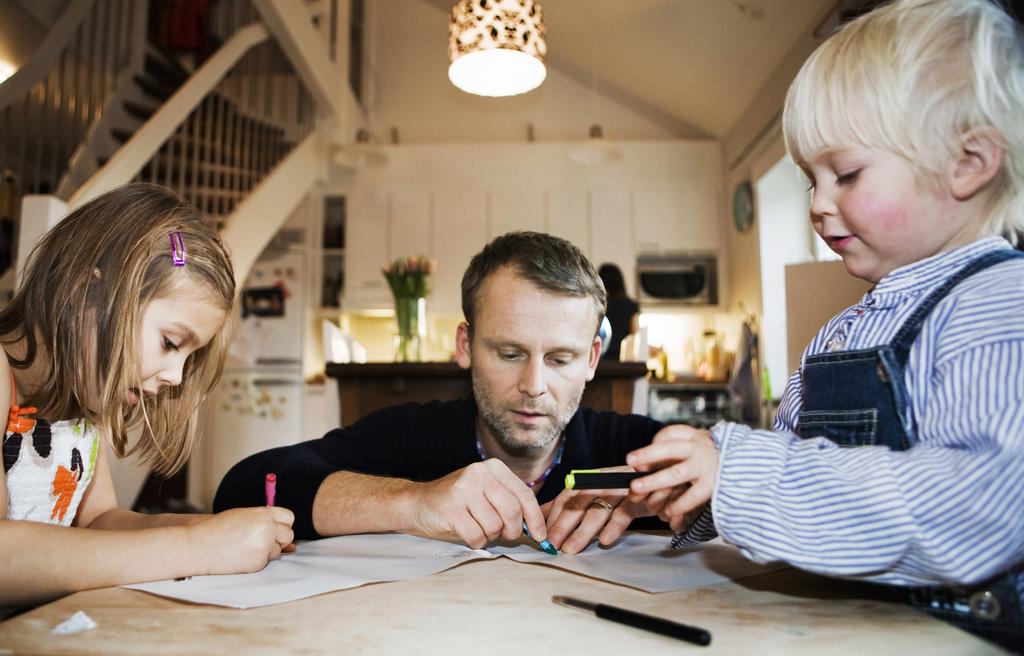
[258, 403]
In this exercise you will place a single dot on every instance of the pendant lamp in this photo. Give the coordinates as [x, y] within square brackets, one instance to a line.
[496, 47]
[362, 153]
[594, 150]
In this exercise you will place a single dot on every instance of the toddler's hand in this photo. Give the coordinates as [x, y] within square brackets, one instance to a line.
[241, 540]
[684, 462]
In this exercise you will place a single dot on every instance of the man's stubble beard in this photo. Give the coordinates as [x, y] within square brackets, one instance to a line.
[503, 428]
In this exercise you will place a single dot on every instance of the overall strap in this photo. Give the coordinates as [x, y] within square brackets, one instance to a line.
[14, 392]
[911, 328]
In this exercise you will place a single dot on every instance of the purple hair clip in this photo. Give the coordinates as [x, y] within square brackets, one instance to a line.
[177, 249]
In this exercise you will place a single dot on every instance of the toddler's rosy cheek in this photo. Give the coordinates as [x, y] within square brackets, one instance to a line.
[895, 220]
[890, 217]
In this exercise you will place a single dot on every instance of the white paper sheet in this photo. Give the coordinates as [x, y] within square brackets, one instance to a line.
[638, 560]
[648, 563]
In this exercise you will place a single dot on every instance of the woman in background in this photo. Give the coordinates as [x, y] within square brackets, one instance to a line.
[623, 312]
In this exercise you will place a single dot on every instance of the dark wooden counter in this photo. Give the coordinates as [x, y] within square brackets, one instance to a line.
[364, 388]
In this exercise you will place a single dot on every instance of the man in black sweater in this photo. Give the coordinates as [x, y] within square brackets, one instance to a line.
[478, 467]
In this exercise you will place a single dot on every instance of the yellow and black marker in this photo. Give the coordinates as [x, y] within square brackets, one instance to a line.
[595, 479]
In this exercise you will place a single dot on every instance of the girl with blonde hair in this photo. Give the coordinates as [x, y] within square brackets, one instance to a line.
[121, 318]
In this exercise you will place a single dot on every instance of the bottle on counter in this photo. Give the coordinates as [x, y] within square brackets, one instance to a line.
[712, 355]
[689, 364]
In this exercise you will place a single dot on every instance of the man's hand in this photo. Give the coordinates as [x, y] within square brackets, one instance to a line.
[576, 517]
[684, 462]
[479, 502]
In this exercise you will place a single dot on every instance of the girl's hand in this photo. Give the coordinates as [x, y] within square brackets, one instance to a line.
[241, 540]
[685, 465]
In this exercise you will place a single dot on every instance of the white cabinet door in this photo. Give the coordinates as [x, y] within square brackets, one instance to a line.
[461, 221]
[682, 218]
[514, 210]
[611, 232]
[410, 224]
[366, 251]
[567, 216]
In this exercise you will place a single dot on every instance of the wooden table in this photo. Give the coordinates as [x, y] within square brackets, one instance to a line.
[501, 607]
[365, 388]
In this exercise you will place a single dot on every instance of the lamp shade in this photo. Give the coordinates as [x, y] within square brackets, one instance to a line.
[363, 153]
[496, 47]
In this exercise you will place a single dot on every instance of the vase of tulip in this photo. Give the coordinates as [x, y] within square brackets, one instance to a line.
[409, 280]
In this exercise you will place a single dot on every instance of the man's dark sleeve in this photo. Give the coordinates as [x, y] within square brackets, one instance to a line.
[406, 441]
[612, 435]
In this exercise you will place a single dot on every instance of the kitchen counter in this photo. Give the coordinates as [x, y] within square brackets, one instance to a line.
[365, 388]
[690, 384]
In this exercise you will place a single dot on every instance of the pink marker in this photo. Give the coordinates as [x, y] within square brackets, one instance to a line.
[271, 488]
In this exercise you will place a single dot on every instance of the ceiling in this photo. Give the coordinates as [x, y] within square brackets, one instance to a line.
[694, 65]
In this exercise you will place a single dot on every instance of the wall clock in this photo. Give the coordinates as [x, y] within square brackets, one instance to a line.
[743, 206]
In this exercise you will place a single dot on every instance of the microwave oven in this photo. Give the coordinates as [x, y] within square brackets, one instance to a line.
[677, 280]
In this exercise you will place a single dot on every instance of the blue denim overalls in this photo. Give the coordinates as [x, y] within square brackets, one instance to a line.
[859, 398]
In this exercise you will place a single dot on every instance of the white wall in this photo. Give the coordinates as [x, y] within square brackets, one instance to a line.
[407, 86]
[494, 188]
[785, 238]
[756, 134]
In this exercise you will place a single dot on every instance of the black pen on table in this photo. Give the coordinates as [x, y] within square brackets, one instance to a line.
[637, 620]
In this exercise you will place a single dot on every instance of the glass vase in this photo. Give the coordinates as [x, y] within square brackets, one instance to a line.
[410, 315]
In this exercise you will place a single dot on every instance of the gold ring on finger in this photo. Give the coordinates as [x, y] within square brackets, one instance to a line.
[603, 504]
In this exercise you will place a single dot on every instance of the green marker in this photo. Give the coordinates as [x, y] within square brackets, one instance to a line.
[595, 479]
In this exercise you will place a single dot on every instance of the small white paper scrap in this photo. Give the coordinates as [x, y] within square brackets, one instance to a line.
[75, 624]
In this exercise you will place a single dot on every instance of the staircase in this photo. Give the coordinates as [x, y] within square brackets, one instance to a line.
[215, 174]
[101, 105]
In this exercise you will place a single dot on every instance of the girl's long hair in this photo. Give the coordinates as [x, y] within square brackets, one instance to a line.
[80, 306]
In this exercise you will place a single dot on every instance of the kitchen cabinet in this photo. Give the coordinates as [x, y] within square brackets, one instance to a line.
[366, 251]
[681, 218]
[512, 211]
[460, 232]
[567, 213]
[410, 225]
[611, 232]
[327, 264]
[448, 203]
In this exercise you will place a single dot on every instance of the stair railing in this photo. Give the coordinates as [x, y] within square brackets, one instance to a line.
[50, 103]
[222, 131]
